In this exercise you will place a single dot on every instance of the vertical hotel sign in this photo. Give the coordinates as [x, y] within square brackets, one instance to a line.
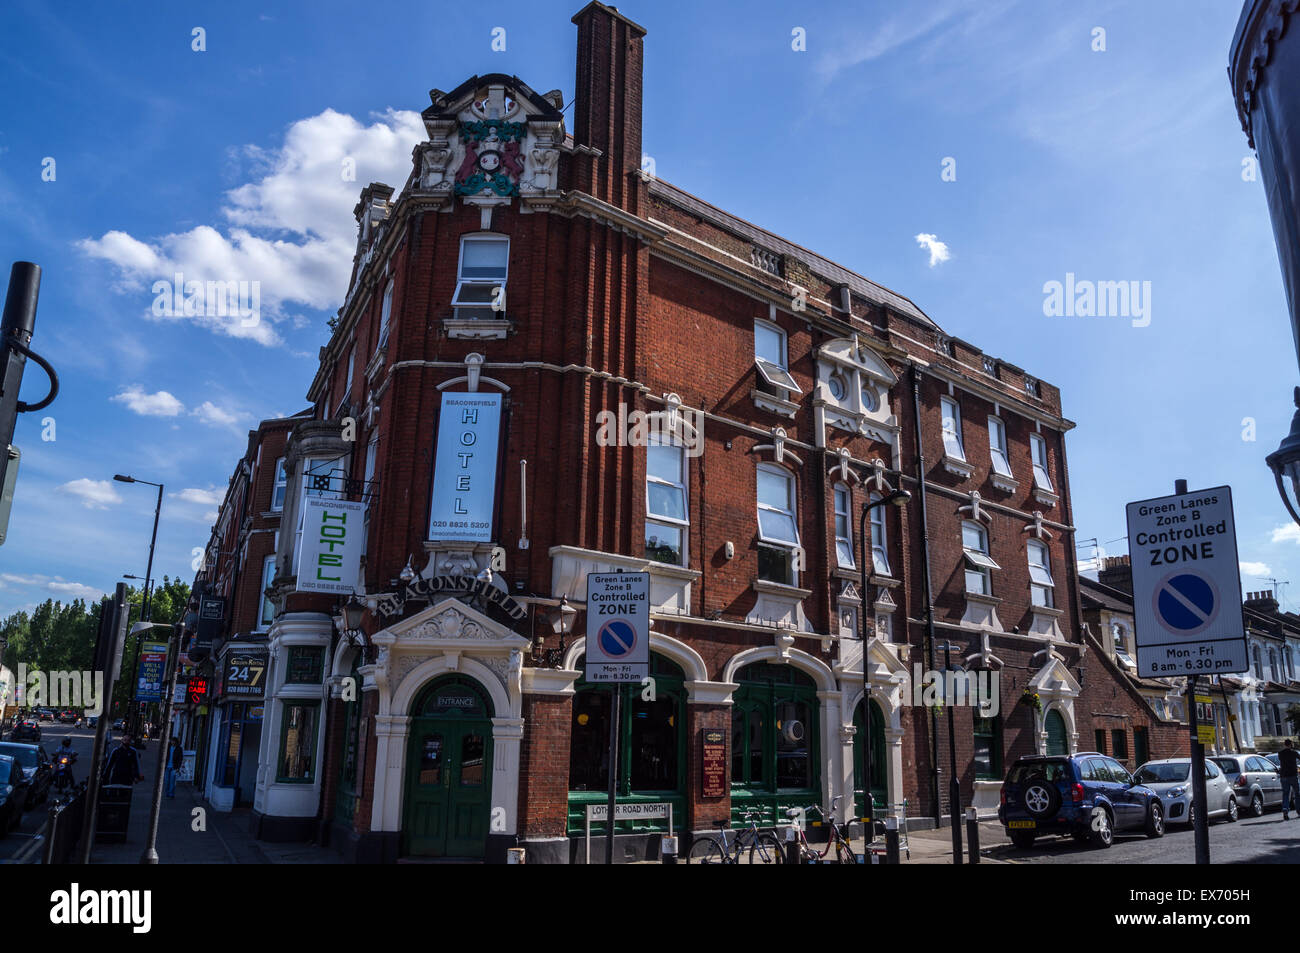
[465, 470]
[331, 545]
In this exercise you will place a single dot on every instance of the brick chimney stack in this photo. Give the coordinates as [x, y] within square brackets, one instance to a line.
[1117, 573]
[1264, 602]
[607, 106]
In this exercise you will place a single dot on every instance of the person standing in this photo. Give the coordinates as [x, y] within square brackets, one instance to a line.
[174, 755]
[1288, 758]
[123, 765]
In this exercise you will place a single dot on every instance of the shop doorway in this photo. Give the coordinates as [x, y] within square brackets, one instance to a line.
[448, 771]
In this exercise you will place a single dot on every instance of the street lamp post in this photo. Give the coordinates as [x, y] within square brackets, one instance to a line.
[898, 498]
[146, 609]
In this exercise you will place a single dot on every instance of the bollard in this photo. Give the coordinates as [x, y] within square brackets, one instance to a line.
[891, 840]
[973, 834]
[515, 855]
[51, 825]
[668, 849]
[792, 844]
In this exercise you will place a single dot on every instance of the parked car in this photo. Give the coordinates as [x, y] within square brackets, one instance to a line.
[13, 793]
[1274, 760]
[37, 769]
[1087, 795]
[1171, 779]
[27, 730]
[1255, 782]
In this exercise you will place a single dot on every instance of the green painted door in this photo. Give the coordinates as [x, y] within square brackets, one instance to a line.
[1055, 725]
[449, 774]
[879, 764]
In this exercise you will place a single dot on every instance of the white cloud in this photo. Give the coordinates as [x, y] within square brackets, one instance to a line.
[291, 230]
[212, 495]
[1286, 533]
[938, 250]
[214, 416]
[57, 585]
[76, 590]
[161, 404]
[1256, 569]
[94, 494]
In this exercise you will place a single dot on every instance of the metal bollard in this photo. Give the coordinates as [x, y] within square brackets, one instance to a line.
[891, 840]
[792, 844]
[973, 834]
[51, 827]
[515, 855]
[668, 849]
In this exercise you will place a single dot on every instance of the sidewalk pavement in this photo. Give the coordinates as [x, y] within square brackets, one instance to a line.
[227, 838]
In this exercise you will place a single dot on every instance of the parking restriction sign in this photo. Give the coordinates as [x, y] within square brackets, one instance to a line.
[618, 626]
[1186, 584]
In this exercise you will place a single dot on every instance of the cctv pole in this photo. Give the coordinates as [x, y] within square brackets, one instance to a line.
[1199, 797]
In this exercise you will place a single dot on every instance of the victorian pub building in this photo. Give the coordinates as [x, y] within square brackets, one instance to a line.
[549, 363]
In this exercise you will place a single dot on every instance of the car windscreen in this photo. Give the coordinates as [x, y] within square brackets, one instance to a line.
[1051, 770]
[1229, 766]
[21, 753]
[1164, 773]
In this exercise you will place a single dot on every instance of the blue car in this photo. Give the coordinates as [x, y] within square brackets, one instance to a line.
[1088, 796]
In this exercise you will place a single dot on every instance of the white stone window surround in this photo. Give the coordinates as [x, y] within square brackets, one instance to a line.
[670, 586]
[853, 385]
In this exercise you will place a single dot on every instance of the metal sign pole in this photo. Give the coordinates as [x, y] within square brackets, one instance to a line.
[614, 712]
[1199, 797]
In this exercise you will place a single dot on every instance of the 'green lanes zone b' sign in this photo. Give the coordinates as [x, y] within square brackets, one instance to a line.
[330, 558]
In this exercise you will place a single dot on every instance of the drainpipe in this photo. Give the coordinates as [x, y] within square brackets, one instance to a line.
[925, 579]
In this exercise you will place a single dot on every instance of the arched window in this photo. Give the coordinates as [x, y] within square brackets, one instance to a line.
[774, 741]
[651, 748]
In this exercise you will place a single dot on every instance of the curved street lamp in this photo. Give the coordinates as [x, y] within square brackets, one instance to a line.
[1285, 463]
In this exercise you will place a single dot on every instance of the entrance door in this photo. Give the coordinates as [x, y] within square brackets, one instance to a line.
[449, 772]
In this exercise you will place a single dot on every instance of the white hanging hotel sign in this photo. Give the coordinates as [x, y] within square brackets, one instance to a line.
[330, 560]
[465, 469]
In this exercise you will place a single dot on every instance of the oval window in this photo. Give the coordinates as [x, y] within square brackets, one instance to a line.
[836, 386]
[870, 399]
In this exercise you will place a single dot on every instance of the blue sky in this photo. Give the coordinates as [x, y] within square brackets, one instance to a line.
[1122, 164]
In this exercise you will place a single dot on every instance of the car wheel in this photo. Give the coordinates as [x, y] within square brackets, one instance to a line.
[1232, 810]
[1103, 829]
[1022, 839]
[1041, 798]
[1155, 820]
[1257, 805]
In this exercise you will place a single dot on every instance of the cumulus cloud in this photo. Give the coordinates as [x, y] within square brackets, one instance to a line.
[214, 416]
[291, 229]
[1286, 533]
[211, 496]
[938, 250]
[1256, 569]
[94, 494]
[160, 404]
[75, 589]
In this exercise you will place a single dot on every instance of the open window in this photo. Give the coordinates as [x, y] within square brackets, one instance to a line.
[975, 551]
[772, 361]
[1042, 586]
[481, 280]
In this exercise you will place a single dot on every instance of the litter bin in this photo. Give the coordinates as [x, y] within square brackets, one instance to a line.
[114, 810]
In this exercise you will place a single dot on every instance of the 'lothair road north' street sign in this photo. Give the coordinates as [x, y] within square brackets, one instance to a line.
[1186, 584]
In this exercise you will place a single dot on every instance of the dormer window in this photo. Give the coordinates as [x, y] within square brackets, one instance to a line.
[481, 281]
[770, 357]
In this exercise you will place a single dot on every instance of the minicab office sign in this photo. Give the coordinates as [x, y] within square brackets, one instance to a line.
[1186, 584]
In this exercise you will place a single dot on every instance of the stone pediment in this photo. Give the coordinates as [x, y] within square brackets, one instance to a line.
[450, 625]
[1054, 679]
[490, 139]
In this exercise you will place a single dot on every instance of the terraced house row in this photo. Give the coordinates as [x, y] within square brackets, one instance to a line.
[551, 363]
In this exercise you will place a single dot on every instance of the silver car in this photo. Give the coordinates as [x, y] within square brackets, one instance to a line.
[1255, 781]
[1171, 779]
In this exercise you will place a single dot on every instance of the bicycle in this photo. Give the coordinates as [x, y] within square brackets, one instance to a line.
[763, 846]
[838, 839]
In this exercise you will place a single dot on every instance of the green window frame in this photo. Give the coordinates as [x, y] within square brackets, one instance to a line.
[306, 665]
[650, 768]
[987, 755]
[299, 720]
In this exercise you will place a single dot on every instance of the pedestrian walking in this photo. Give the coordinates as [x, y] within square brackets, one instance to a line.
[1288, 758]
[174, 755]
[123, 765]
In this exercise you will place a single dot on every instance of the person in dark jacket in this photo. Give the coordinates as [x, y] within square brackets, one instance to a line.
[174, 756]
[1288, 758]
[123, 765]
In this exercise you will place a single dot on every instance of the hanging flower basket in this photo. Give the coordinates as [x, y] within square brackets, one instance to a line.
[1031, 698]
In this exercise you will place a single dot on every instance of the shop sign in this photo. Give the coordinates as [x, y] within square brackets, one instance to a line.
[151, 672]
[243, 675]
[330, 556]
[425, 589]
[465, 468]
[197, 690]
[714, 762]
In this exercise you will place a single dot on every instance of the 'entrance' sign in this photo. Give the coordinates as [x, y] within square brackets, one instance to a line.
[1186, 584]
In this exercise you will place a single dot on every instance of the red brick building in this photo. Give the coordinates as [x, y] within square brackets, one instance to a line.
[667, 388]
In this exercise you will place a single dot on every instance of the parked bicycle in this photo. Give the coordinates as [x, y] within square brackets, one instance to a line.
[838, 839]
[763, 847]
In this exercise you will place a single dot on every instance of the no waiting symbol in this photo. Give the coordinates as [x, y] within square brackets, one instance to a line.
[1186, 602]
[616, 638]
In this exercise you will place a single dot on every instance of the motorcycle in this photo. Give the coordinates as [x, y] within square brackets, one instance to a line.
[63, 770]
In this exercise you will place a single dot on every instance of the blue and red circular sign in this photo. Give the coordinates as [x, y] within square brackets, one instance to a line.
[1186, 603]
[616, 638]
